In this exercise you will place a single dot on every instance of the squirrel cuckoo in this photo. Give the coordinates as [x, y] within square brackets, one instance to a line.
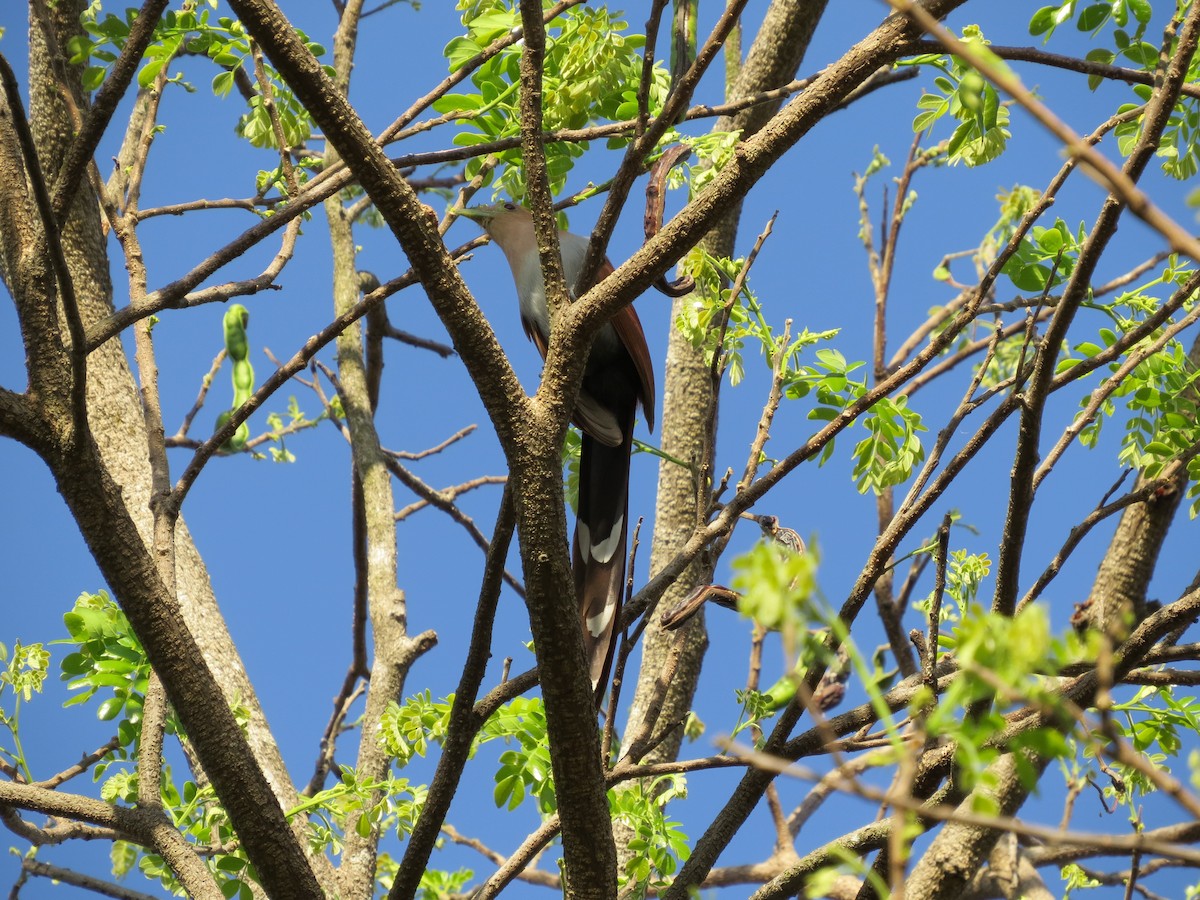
[618, 375]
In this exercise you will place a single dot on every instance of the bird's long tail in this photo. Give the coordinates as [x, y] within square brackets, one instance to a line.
[599, 548]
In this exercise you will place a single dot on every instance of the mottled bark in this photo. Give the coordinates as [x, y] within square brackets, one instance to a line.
[1118, 597]
[953, 861]
[103, 472]
[394, 651]
[115, 414]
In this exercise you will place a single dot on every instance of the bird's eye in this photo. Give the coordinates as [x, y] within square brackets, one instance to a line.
[510, 206]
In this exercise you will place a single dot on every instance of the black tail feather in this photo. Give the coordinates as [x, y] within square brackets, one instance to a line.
[599, 549]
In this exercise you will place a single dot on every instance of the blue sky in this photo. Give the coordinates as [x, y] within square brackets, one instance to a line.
[277, 539]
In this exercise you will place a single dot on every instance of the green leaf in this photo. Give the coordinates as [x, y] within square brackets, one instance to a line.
[1032, 279]
[1093, 17]
[1044, 21]
[93, 77]
[363, 826]
[222, 84]
[149, 72]
[1140, 9]
[110, 708]
[1145, 55]
[1051, 241]
[505, 792]
[457, 102]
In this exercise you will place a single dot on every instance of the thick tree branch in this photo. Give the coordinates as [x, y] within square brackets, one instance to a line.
[148, 827]
[465, 720]
[104, 104]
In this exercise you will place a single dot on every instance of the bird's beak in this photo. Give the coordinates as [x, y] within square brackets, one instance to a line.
[480, 214]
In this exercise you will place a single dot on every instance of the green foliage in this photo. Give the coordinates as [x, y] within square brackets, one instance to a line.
[222, 39]
[408, 729]
[711, 152]
[700, 321]
[1014, 204]
[1045, 258]
[964, 574]
[23, 673]
[525, 769]
[296, 420]
[982, 131]
[1177, 146]
[658, 844]
[1006, 663]
[197, 813]
[776, 586]
[1161, 725]
[1156, 731]
[759, 706]
[1095, 16]
[1159, 396]
[892, 450]
[366, 805]
[1030, 268]
[887, 457]
[1075, 878]
[268, 180]
[350, 802]
[109, 658]
[711, 301]
[25, 670]
[109, 664]
[822, 882]
[591, 74]
[572, 445]
[435, 883]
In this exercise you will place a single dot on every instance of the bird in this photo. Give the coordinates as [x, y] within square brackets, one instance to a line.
[786, 538]
[781, 535]
[617, 378]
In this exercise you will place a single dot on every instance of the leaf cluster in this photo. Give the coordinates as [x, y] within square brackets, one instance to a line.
[1177, 147]
[1005, 663]
[592, 69]
[1092, 17]
[658, 843]
[109, 659]
[408, 729]
[962, 93]
[24, 672]
[888, 455]
[195, 33]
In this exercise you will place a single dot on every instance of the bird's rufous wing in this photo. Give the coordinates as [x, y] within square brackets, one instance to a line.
[629, 330]
[539, 339]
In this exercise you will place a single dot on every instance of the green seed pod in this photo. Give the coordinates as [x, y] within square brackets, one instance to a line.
[238, 441]
[237, 317]
[243, 381]
[237, 348]
[780, 694]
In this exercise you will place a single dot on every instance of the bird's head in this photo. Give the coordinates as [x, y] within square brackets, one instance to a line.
[508, 224]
